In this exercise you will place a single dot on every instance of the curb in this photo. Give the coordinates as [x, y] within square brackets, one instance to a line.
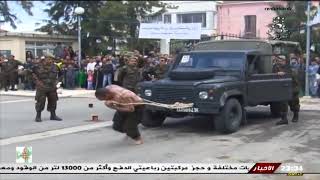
[59, 96]
[21, 95]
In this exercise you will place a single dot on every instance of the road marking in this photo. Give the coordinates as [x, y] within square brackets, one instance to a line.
[21, 100]
[53, 133]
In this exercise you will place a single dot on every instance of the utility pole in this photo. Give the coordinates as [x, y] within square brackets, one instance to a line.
[308, 50]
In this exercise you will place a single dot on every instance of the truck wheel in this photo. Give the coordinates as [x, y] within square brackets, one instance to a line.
[152, 119]
[275, 109]
[229, 119]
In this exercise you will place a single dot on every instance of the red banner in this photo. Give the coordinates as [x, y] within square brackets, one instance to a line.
[264, 168]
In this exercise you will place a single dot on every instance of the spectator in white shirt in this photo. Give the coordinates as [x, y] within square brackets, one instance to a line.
[91, 65]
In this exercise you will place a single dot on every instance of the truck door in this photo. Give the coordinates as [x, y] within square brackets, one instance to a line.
[265, 87]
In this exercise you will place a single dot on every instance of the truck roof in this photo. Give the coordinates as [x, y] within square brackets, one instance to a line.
[204, 51]
[236, 44]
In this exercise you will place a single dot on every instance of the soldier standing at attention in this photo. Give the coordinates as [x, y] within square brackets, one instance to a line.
[161, 69]
[281, 68]
[127, 122]
[45, 76]
[10, 72]
[295, 102]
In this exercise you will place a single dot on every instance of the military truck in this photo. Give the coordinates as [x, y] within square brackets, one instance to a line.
[221, 78]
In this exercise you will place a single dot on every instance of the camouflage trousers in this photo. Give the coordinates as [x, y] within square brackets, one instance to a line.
[42, 95]
[10, 78]
[294, 104]
[127, 122]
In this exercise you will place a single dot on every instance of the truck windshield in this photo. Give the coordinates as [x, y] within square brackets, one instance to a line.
[220, 60]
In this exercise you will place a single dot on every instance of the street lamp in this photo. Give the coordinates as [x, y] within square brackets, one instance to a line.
[79, 11]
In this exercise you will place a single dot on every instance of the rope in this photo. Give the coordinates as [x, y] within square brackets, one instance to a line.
[176, 105]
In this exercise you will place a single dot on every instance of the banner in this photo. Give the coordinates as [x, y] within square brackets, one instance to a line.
[170, 31]
[153, 168]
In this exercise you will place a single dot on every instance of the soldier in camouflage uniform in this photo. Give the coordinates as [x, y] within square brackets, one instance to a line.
[127, 122]
[161, 69]
[282, 67]
[295, 102]
[130, 74]
[10, 72]
[45, 75]
[148, 70]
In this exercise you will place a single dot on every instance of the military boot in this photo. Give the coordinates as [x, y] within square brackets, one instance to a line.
[284, 119]
[38, 117]
[54, 116]
[295, 117]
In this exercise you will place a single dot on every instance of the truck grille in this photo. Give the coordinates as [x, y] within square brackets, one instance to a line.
[172, 95]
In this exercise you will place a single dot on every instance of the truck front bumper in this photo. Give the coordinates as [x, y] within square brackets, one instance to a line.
[198, 108]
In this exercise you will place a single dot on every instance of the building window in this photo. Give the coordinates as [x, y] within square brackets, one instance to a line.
[39, 49]
[153, 19]
[167, 18]
[192, 18]
[5, 53]
[250, 28]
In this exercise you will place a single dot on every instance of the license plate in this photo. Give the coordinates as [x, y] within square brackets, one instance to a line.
[188, 110]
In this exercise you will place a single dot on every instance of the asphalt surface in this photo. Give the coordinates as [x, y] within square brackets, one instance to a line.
[184, 140]
[18, 114]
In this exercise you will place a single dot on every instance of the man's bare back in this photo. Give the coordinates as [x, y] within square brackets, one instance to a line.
[114, 96]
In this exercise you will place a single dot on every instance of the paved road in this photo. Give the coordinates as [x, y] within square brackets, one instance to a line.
[178, 140]
[18, 114]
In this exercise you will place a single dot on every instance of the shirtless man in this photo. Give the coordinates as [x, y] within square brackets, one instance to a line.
[130, 114]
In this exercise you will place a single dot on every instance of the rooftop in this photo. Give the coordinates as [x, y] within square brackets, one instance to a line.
[36, 35]
[243, 2]
[2, 30]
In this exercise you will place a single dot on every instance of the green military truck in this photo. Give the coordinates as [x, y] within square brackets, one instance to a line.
[221, 78]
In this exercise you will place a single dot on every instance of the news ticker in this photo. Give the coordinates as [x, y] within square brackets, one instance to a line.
[154, 168]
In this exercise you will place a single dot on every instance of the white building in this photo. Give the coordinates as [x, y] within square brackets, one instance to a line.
[204, 12]
[37, 43]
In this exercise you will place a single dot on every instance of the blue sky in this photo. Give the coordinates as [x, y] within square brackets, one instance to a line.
[26, 23]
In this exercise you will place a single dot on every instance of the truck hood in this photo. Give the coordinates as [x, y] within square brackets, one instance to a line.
[217, 79]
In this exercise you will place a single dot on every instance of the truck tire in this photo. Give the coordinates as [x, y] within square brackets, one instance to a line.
[152, 119]
[229, 119]
[275, 109]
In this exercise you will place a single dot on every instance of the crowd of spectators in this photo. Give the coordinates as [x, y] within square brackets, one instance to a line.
[94, 71]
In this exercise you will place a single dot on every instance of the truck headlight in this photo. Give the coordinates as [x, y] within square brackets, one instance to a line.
[148, 92]
[203, 95]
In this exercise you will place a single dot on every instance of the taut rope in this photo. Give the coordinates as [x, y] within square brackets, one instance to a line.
[176, 105]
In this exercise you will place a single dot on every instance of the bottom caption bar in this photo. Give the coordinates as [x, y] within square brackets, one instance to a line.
[152, 168]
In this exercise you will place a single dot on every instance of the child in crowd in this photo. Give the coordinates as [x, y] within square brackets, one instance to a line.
[90, 80]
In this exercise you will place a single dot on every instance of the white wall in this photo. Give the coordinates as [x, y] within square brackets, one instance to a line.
[191, 6]
[186, 7]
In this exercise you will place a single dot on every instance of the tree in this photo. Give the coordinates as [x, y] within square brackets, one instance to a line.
[137, 11]
[8, 16]
[295, 22]
[104, 20]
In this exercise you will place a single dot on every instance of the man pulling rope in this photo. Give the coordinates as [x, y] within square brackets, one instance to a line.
[127, 104]
[121, 99]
